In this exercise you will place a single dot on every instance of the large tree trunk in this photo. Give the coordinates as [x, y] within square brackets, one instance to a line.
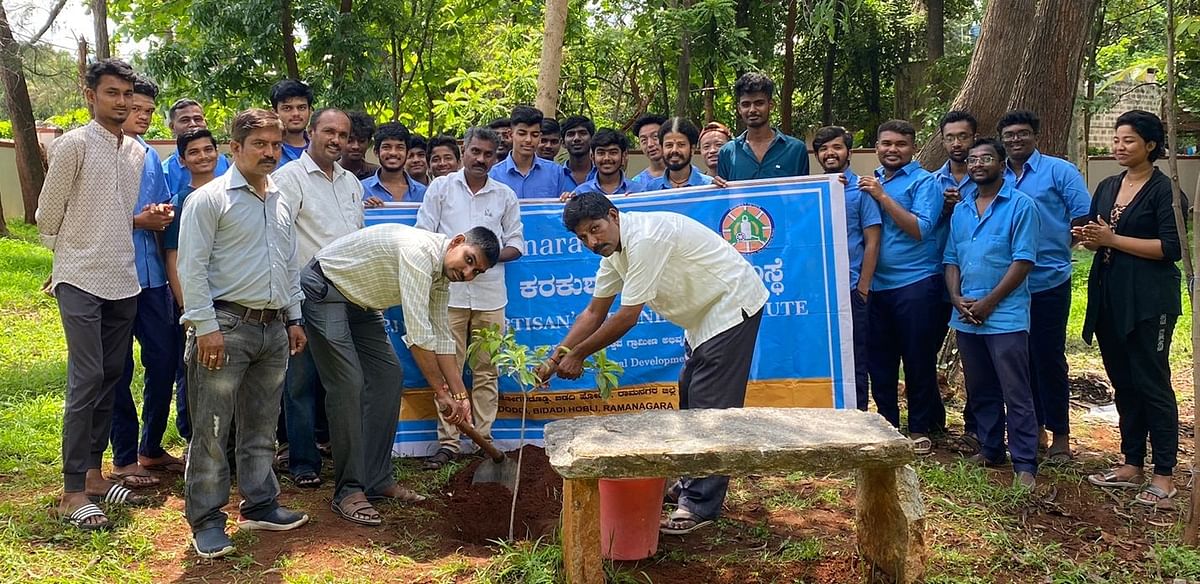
[288, 32]
[100, 27]
[16, 94]
[1049, 74]
[789, 69]
[710, 109]
[995, 64]
[935, 29]
[550, 64]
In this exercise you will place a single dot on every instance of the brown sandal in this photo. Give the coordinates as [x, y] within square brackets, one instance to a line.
[398, 494]
[356, 509]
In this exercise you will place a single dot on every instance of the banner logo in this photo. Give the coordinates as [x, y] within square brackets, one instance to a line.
[748, 228]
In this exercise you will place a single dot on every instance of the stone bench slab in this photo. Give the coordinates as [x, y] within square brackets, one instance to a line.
[731, 441]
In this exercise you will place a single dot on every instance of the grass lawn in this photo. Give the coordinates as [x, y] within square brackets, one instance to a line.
[793, 528]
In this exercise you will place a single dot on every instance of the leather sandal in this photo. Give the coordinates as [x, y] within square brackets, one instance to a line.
[357, 509]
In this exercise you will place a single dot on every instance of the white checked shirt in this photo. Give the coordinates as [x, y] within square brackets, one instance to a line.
[83, 211]
[450, 208]
[391, 264]
[684, 271]
[325, 209]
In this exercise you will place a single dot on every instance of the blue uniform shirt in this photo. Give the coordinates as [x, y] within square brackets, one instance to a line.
[291, 153]
[569, 183]
[593, 186]
[662, 183]
[179, 177]
[373, 188]
[544, 181]
[984, 247]
[902, 259]
[943, 179]
[787, 156]
[153, 191]
[643, 178]
[171, 234]
[1061, 195]
[862, 211]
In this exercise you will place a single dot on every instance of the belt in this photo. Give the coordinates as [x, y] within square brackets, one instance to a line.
[263, 316]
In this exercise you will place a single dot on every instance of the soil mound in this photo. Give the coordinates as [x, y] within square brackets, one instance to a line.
[480, 512]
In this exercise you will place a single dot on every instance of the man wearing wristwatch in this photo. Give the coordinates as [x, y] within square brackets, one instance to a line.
[346, 286]
[241, 283]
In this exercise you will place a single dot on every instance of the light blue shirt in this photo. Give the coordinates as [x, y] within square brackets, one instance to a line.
[643, 178]
[902, 259]
[1061, 195]
[544, 181]
[593, 186]
[179, 177]
[291, 153]
[662, 183]
[943, 179]
[983, 248]
[373, 188]
[569, 179]
[153, 191]
[862, 211]
[787, 156]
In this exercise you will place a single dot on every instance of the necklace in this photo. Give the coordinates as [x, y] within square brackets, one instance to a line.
[677, 183]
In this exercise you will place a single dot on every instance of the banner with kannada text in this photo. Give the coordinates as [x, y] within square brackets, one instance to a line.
[792, 230]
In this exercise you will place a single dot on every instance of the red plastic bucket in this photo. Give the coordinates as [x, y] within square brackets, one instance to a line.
[629, 513]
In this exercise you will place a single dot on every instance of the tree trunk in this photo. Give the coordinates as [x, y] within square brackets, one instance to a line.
[683, 87]
[710, 110]
[935, 29]
[100, 27]
[287, 30]
[827, 83]
[550, 64]
[995, 64]
[16, 93]
[789, 69]
[1049, 74]
[345, 22]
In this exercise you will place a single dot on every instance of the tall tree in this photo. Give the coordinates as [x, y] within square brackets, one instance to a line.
[683, 70]
[550, 64]
[16, 94]
[935, 29]
[287, 30]
[788, 90]
[100, 28]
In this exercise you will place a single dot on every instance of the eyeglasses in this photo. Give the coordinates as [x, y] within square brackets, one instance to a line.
[955, 138]
[1014, 136]
[985, 159]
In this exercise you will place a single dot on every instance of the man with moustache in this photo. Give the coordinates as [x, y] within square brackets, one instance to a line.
[1062, 200]
[761, 151]
[185, 116]
[444, 155]
[646, 129]
[354, 159]
[832, 145]
[241, 291]
[678, 138]
[154, 324]
[392, 183]
[907, 312]
[326, 201]
[610, 150]
[527, 175]
[417, 162]
[551, 142]
[454, 204]
[991, 250]
[84, 217]
[292, 101]
[688, 274]
[503, 128]
[577, 132]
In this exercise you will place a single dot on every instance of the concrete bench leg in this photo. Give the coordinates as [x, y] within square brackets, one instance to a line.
[891, 523]
[581, 532]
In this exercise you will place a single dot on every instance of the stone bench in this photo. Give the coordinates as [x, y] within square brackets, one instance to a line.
[738, 442]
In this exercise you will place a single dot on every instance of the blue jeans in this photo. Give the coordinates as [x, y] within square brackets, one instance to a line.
[155, 329]
[909, 323]
[300, 405]
[246, 390]
[996, 369]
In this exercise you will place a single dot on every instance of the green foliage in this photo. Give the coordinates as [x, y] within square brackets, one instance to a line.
[524, 562]
[521, 363]
[6, 130]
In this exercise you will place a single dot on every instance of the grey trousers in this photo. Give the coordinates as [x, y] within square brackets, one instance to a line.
[715, 376]
[245, 391]
[99, 334]
[363, 382]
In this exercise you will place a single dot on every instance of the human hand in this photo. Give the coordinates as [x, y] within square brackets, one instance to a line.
[210, 350]
[570, 367]
[154, 217]
[871, 186]
[1098, 233]
[981, 309]
[456, 411]
[373, 202]
[719, 182]
[963, 306]
[296, 339]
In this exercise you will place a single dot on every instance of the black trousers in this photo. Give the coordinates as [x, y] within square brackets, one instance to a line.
[1138, 368]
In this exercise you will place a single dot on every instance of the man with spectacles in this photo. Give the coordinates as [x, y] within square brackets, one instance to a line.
[1062, 200]
[991, 251]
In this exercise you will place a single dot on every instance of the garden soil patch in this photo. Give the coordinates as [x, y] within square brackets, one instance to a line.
[479, 512]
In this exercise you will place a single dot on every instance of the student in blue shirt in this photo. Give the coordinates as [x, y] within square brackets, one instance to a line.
[1062, 200]
[154, 324]
[503, 128]
[391, 183]
[577, 132]
[646, 129]
[761, 151]
[907, 311]
[991, 251]
[550, 143]
[832, 145]
[610, 151]
[292, 101]
[529, 176]
[185, 116]
[678, 137]
[417, 163]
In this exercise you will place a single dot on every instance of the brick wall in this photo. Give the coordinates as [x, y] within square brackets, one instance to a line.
[1130, 95]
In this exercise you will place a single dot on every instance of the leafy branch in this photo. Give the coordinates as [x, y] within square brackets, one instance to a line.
[520, 362]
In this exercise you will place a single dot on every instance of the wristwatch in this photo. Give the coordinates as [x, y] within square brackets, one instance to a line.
[296, 322]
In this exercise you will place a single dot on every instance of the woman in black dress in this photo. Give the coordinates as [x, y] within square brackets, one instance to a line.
[1133, 302]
